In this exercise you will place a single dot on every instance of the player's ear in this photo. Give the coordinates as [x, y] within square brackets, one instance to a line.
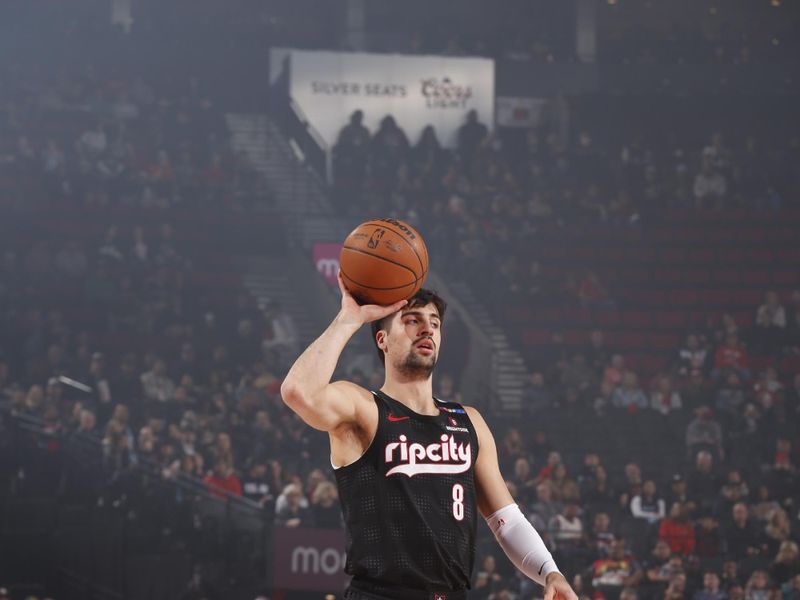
[380, 339]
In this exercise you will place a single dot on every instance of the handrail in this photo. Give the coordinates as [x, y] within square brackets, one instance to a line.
[296, 126]
[311, 129]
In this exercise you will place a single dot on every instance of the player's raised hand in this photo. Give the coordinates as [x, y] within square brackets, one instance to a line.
[557, 588]
[354, 313]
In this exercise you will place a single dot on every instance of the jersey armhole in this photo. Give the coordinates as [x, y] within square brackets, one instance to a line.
[371, 442]
[473, 431]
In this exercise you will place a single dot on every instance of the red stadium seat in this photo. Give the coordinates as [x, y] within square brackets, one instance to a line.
[756, 277]
[670, 319]
[536, 337]
[683, 297]
[787, 277]
[726, 276]
[637, 319]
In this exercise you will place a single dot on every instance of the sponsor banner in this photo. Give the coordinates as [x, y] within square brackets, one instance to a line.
[309, 559]
[326, 259]
[416, 90]
[519, 112]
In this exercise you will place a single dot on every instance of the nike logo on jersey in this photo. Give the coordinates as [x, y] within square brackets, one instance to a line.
[391, 417]
[445, 458]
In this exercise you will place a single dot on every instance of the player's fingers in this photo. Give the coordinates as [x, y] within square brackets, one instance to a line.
[393, 308]
[549, 592]
[376, 311]
[342, 288]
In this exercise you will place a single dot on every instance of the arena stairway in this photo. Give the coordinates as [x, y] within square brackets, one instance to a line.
[268, 279]
[297, 190]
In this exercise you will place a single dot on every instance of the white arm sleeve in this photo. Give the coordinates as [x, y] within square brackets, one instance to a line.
[522, 543]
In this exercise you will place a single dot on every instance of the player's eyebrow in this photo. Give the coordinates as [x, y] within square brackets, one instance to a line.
[419, 313]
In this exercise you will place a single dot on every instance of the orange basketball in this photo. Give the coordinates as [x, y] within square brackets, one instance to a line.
[383, 261]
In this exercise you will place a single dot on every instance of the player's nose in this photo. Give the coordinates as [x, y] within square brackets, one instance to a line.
[425, 328]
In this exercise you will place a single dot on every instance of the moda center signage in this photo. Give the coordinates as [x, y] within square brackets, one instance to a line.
[416, 90]
[309, 559]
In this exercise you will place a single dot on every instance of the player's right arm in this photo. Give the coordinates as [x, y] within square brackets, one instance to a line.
[307, 388]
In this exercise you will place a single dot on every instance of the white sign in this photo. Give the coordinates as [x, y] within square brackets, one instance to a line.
[416, 90]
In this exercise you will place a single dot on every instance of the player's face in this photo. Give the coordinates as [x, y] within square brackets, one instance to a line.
[413, 341]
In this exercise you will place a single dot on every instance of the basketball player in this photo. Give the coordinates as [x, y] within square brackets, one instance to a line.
[413, 471]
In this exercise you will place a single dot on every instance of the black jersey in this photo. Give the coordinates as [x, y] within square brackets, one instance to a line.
[409, 503]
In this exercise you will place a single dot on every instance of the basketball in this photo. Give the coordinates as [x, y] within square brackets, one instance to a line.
[383, 261]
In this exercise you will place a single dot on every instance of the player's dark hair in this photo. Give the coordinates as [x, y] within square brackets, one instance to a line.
[422, 298]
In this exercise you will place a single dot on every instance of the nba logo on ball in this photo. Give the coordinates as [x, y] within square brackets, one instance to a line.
[440, 597]
[383, 261]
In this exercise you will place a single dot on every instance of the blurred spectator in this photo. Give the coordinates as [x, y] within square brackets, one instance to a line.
[704, 434]
[566, 529]
[629, 395]
[578, 375]
[708, 542]
[678, 492]
[647, 505]
[611, 574]
[659, 568]
[793, 322]
[486, 577]
[290, 512]
[777, 530]
[770, 332]
[601, 535]
[222, 481]
[710, 186]
[255, 485]
[730, 397]
[758, 586]
[544, 509]
[730, 575]
[470, 135]
[711, 588]
[325, 508]
[692, 356]
[665, 399]
[742, 538]
[733, 491]
[281, 335]
[677, 530]
[537, 397]
[597, 492]
[156, 384]
[703, 482]
[597, 353]
[787, 562]
[524, 480]
[614, 371]
[768, 390]
[731, 356]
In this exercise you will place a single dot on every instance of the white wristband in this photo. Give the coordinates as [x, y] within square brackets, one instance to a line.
[522, 543]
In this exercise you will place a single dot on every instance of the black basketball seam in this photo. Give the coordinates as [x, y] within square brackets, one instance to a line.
[389, 260]
[402, 235]
[368, 287]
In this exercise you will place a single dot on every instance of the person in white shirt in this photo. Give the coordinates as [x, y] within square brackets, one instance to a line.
[648, 505]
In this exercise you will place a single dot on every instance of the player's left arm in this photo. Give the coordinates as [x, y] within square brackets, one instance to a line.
[517, 537]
